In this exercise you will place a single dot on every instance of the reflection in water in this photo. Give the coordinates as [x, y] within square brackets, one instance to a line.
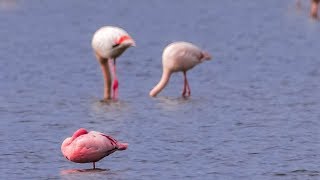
[109, 106]
[172, 103]
[174, 100]
[83, 171]
[91, 173]
[175, 103]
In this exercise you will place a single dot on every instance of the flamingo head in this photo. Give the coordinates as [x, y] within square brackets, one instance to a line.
[126, 41]
[79, 132]
[206, 56]
[65, 144]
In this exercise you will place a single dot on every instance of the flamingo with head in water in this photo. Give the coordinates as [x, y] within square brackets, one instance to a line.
[87, 147]
[109, 43]
[179, 56]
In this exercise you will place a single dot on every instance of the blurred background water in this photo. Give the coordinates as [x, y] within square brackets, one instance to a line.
[253, 113]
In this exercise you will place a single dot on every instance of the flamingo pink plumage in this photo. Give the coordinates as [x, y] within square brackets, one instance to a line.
[86, 147]
[179, 56]
[109, 43]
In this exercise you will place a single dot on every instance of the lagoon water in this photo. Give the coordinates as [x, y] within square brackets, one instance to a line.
[253, 113]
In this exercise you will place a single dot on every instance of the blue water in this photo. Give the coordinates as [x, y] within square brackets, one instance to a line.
[253, 112]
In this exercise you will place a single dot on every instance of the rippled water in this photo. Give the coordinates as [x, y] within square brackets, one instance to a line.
[253, 113]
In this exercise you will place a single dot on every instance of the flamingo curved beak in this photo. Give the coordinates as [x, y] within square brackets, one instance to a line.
[126, 40]
[206, 56]
[132, 43]
[129, 43]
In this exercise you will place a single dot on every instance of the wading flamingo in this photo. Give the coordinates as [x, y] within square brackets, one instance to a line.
[109, 43]
[87, 147]
[179, 56]
[314, 8]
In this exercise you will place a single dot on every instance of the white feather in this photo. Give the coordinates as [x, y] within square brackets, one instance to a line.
[104, 38]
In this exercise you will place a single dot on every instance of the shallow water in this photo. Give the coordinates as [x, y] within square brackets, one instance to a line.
[253, 113]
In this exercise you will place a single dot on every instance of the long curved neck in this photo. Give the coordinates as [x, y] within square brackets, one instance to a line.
[163, 82]
[79, 132]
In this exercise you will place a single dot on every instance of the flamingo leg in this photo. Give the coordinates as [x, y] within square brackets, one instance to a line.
[184, 85]
[186, 88]
[115, 85]
[94, 165]
[106, 76]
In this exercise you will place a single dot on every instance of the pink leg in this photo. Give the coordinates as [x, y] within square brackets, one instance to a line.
[184, 85]
[186, 88]
[115, 80]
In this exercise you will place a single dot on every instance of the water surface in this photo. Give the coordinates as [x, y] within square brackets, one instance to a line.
[253, 113]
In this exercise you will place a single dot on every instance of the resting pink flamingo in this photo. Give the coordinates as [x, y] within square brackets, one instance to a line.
[86, 147]
[179, 56]
[109, 43]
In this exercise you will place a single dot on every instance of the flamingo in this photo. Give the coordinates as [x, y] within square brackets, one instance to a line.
[179, 56]
[314, 8]
[109, 43]
[86, 147]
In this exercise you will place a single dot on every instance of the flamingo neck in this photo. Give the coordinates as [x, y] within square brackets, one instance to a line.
[79, 132]
[162, 83]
